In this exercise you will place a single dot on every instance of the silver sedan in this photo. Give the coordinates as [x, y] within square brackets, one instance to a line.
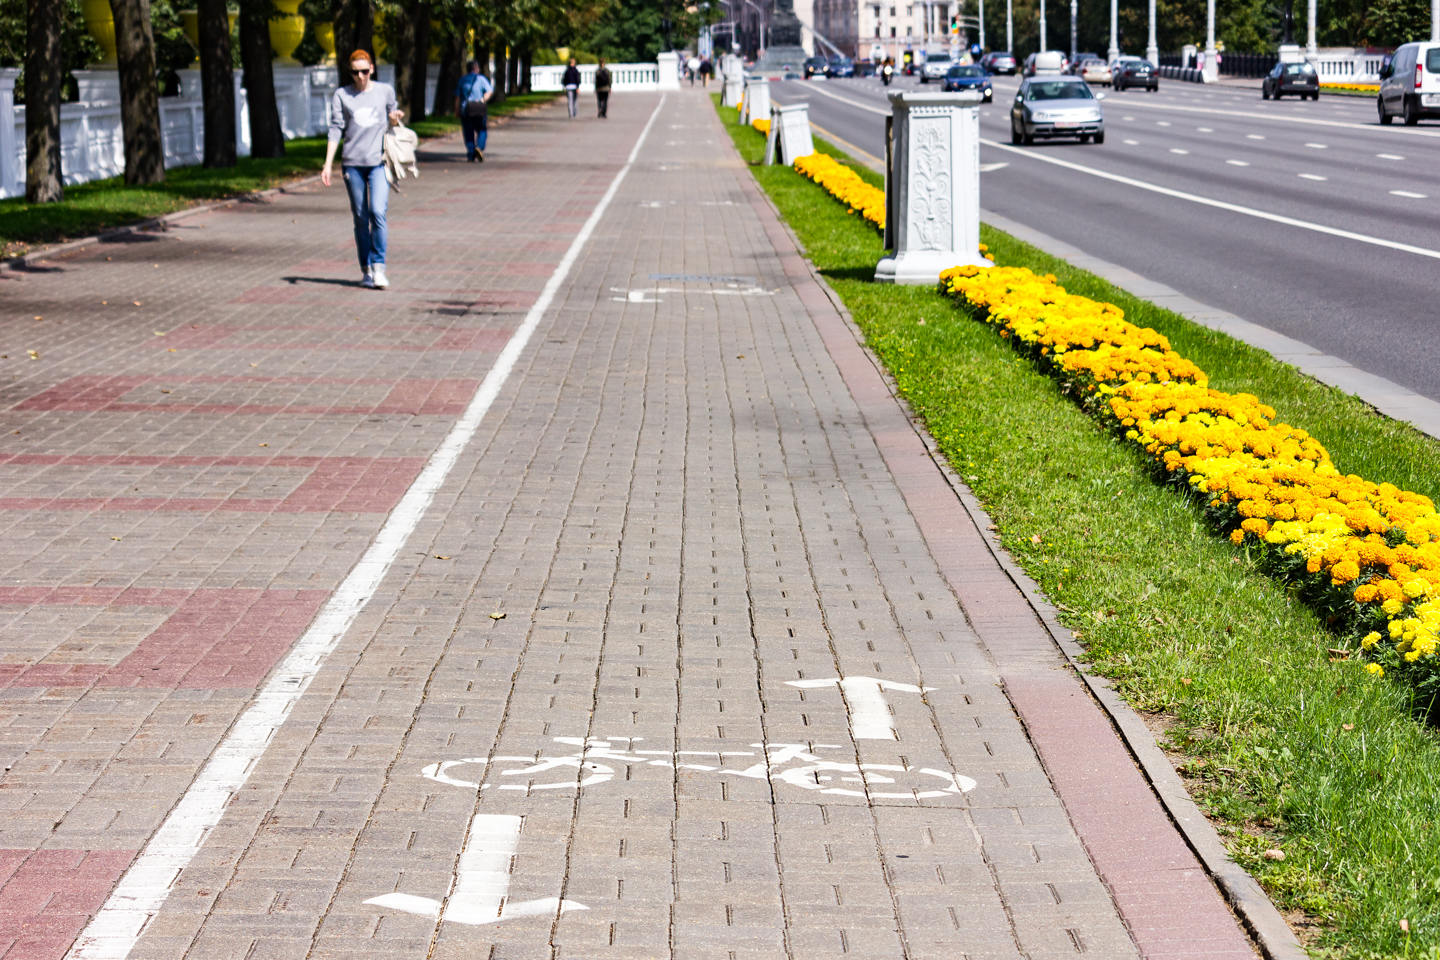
[1056, 107]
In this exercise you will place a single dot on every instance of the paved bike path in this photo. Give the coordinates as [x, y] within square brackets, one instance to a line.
[693, 653]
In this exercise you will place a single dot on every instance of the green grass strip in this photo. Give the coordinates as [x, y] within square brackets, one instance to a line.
[1283, 748]
[89, 208]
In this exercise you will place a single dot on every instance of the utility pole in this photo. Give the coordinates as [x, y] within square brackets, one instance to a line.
[1152, 49]
[1043, 48]
[1075, 29]
[1114, 50]
[1010, 25]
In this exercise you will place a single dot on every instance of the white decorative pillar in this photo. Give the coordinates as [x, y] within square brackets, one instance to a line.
[1210, 72]
[734, 91]
[242, 115]
[757, 100]
[1152, 49]
[1114, 50]
[12, 180]
[97, 86]
[669, 64]
[932, 189]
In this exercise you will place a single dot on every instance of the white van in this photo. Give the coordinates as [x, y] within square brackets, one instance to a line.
[1410, 84]
[1043, 63]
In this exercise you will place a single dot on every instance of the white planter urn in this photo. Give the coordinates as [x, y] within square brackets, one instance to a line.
[932, 187]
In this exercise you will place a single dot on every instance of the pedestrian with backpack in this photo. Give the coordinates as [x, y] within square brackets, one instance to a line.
[472, 96]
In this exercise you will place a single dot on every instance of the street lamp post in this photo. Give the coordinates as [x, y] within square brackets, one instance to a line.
[1310, 49]
[1042, 26]
[1074, 29]
[1114, 50]
[1010, 25]
[982, 25]
[1211, 69]
[1152, 49]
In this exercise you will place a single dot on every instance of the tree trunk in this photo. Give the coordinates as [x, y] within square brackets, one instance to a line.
[512, 72]
[420, 13]
[523, 69]
[452, 63]
[345, 12]
[217, 83]
[501, 72]
[266, 137]
[481, 53]
[139, 93]
[402, 54]
[43, 79]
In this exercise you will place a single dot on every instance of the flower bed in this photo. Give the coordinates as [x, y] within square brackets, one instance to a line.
[845, 185]
[1351, 87]
[1366, 555]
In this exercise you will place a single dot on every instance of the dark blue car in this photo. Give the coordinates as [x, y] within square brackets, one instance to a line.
[962, 77]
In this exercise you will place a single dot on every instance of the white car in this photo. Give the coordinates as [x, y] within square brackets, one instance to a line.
[1410, 84]
[935, 67]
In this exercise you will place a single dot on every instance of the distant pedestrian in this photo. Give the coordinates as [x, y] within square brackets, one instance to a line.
[692, 67]
[571, 83]
[707, 69]
[472, 95]
[602, 88]
[358, 115]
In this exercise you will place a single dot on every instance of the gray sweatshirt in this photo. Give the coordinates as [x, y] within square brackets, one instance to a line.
[361, 119]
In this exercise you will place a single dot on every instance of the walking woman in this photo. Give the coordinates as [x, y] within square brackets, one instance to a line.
[571, 83]
[602, 88]
[360, 114]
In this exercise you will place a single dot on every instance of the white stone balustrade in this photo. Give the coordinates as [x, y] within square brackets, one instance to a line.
[92, 144]
[623, 76]
[932, 188]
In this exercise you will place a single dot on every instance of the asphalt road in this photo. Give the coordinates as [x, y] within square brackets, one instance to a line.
[1308, 218]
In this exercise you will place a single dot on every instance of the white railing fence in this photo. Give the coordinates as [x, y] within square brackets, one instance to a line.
[92, 144]
[663, 74]
[1344, 65]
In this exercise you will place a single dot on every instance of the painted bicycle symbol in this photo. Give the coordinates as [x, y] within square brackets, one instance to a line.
[597, 759]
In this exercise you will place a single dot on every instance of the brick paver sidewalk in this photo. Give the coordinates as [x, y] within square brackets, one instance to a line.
[593, 707]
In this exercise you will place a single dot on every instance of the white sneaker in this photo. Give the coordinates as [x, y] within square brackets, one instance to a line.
[377, 276]
[367, 281]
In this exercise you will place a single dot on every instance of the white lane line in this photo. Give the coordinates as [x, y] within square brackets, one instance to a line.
[1407, 193]
[1254, 136]
[1162, 123]
[1389, 156]
[1127, 118]
[1179, 151]
[1285, 118]
[1317, 146]
[854, 103]
[1204, 130]
[1220, 204]
[1132, 143]
[142, 891]
[1238, 163]
[1311, 176]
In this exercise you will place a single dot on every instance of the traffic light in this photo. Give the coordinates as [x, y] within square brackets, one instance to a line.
[954, 24]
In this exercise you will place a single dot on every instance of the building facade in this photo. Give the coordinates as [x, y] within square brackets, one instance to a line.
[867, 29]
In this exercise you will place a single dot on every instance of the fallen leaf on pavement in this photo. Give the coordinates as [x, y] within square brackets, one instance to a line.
[34, 355]
[497, 615]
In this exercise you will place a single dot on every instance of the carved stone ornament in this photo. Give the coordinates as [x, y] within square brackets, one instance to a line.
[930, 211]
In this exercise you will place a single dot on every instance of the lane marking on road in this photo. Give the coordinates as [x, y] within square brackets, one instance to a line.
[1389, 156]
[1312, 176]
[482, 880]
[1317, 146]
[1181, 152]
[1162, 123]
[1286, 118]
[1131, 143]
[1408, 194]
[1219, 204]
[1254, 136]
[854, 103]
[1238, 163]
[1204, 130]
[114, 930]
[870, 717]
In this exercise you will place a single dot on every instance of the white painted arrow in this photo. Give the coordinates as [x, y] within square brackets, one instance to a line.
[481, 881]
[869, 713]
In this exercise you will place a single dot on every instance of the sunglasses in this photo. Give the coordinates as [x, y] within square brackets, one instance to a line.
[363, 73]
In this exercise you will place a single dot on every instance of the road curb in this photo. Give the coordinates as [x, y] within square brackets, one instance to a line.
[28, 261]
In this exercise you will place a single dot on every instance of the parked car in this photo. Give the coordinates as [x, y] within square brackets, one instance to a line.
[816, 67]
[840, 67]
[999, 61]
[1298, 78]
[1051, 106]
[969, 77]
[866, 68]
[1095, 71]
[1072, 66]
[1045, 63]
[1128, 72]
[935, 67]
[1410, 84]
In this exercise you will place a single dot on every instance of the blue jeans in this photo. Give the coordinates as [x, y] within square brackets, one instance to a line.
[369, 198]
[474, 128]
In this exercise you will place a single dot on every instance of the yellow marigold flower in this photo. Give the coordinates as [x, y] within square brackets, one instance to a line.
[1370, 640]
[1392, 606]
[1344, 571]
[1374, 669]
